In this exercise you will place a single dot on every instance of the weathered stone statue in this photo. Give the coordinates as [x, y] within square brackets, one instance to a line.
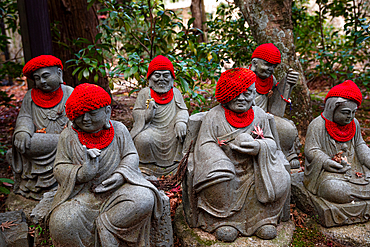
[338, 160]
[102, 196]
[272, 97]
[239, 179]
[160, 116]
[33, 154]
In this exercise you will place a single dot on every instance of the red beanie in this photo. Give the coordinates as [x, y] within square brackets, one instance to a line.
[268, 52]
[347, 90]
[160, 63]
[233, 82]
[40, 62]
[84, 98]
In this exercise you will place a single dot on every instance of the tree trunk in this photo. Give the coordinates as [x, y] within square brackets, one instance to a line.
[199, 15]
[270, 22]
[71, 21]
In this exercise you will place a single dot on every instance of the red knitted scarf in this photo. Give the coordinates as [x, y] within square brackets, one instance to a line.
[338, 132]
[162, 98]
[46, 100]
[263, 86]
[98, 140]
[239, 120]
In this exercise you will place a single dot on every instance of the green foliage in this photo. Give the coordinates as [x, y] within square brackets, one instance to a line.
[2, 188]
[338, 54]
[228, 32]
[5, 99]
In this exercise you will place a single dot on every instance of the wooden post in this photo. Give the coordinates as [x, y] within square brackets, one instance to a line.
[35, 29]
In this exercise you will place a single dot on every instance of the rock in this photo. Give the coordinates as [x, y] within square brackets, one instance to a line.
[42, 209]
[17, 235]
[162, 233]
[300, 196]
[16, 202]
[195, 237]
[351, 235]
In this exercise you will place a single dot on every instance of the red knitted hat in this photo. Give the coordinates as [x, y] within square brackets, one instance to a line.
[160, 63]
[268, 52]
[40, 62]
[347, 90]
[84, 98]
[233, 82]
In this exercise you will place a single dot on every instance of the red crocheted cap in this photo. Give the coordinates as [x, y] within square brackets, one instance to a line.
[84, 98]
[233, 82]
[40, 62]
[347, 90]
[268, 52]
[160, 63]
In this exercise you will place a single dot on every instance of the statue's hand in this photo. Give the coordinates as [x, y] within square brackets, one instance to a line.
[333, 166]
[22, 141]
[180, 130]
[251, 148]
[292, 76]
[90, 164]
[112, 182]
[150, 111]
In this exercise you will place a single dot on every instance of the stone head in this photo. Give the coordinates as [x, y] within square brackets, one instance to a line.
[342, 102]
[89, 108]
[161, 74]
[46, 71]
[265, 58]
[236, 89]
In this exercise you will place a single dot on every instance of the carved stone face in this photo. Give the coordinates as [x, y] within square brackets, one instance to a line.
[345, 113]
[161, 81]
[94, 121]
[243, 101]
[48, 79]
[262, 68]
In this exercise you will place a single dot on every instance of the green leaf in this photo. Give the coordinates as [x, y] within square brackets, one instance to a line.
[4, 190]
[79, 77]
[75, 71]
[86, 73]
[96, 78]
[6, 180]
[98, 36]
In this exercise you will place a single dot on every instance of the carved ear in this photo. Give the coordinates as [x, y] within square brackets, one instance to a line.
[74, 125]
[60, 74]
[108, 111]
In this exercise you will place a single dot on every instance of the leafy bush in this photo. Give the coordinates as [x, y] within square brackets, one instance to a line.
[6, 182]
[338, 54]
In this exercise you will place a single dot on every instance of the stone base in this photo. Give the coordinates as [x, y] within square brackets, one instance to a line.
[16, 202]
[352, 235]
[329, 214]
[191, 237]
[16, 235]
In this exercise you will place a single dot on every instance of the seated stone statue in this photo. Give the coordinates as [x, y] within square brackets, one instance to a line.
[338, 160]
[33, 154]
[102, 196]
[272, 97]
[160, 116]
[239, 179]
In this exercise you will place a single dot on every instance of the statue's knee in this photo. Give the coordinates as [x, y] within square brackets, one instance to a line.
[335, 191]
[143, 138]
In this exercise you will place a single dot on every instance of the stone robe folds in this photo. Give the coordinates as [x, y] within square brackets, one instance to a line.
[34, 169]
[235, 189]
[159, 149]
[79, 217]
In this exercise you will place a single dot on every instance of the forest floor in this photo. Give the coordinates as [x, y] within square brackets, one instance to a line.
[306, 233]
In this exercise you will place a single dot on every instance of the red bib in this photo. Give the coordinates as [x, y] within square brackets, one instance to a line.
[239, 120]
[46, 100]
[162, 98]
[338, 132]
[263, 86]
[98, 140]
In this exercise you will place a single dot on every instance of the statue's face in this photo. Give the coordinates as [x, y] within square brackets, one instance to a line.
[48, 79]
[345, 113]
[94, 121]
[161, 81]
[243, 101]
[262, 68]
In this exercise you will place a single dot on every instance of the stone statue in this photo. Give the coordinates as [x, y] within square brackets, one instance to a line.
[239, 182]
[160, 116]
[102, 196]
[272, 97]
[33, 153]
[338, 160]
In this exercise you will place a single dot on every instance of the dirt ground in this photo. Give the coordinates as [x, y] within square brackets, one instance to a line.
[305, 234]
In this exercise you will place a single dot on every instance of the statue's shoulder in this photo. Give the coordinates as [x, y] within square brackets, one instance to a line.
[260, 113]
[119, 127]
